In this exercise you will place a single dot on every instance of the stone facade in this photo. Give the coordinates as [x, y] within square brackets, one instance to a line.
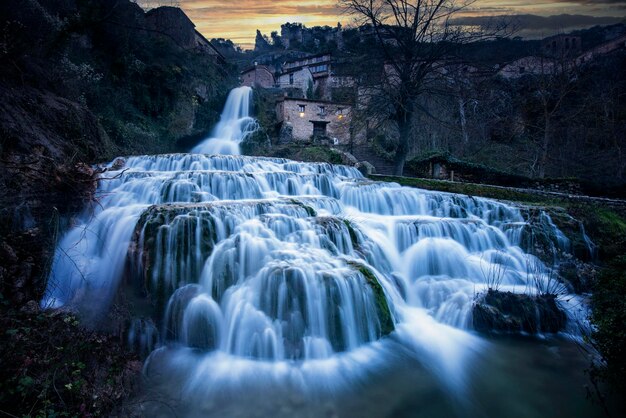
[300, 78]
[310, 74]
[527, 65]
[313, 119]
[561, 46]
[258, 76]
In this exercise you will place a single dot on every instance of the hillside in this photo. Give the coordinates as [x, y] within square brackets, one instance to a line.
[81, 81]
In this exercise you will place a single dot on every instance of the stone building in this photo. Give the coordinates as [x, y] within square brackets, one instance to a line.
[316, 119]
[561, 46]
[527, 65]
[310, 74]
[257, 76]
[297, 82]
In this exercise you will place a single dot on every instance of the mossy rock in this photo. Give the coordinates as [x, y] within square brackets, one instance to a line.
[157, 284]
[497, 311]
[384, 312]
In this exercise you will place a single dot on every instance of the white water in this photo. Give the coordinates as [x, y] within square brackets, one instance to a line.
[259, 270]
[234, 125]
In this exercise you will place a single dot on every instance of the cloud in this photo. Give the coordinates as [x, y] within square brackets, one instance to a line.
[534, 22]
[239, 19]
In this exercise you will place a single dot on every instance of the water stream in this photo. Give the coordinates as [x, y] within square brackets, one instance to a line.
[270, 287]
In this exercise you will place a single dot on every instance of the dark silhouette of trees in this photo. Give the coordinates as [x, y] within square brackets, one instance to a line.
[415, 40]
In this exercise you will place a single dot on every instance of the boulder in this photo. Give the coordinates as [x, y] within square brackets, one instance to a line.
[285, 136]
[366, 168]
[346, 157]
[496, 311]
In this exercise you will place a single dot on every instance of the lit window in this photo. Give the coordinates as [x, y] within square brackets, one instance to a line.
[301, 110]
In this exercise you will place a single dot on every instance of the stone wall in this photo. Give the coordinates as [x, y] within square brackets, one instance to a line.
[336, 117]
[259, 76]
[301, 80]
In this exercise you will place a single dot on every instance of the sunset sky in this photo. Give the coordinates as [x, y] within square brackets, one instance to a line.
[238, 19]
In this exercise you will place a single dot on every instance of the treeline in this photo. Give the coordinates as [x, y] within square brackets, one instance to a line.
[566, 123]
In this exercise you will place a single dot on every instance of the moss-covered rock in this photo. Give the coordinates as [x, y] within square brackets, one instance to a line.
[496, 311]
[384, 312]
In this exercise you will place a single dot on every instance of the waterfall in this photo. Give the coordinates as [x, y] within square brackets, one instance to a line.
[234, 125]
[304, 273]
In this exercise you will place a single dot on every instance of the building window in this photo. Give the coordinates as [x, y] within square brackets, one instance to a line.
[291, 79]
[340, 113]
[301, 109]
[320, 68]
[322, 110]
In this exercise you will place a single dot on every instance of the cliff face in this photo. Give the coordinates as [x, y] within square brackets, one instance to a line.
[80, 82]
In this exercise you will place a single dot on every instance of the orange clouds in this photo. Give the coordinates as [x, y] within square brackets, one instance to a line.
[239, 19]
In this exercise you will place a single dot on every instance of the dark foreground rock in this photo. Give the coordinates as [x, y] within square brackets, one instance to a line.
[496, 311]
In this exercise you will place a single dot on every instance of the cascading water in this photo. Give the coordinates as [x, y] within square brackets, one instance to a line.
[305, 278]
[234, 125]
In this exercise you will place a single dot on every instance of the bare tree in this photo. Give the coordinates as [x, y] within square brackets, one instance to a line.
[414, 41]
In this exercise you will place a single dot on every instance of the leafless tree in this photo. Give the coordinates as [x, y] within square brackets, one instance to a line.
[415, 39]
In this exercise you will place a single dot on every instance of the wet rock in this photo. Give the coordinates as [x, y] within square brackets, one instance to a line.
[285, 136]
[578, 276]
[7, 254]
[366, 168]
[346, 157]
[118, 164]
[496, 311]
[31, 308]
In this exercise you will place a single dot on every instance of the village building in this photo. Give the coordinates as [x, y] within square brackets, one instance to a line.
[561, 46]
[528, 65]
[257, 76]
[298, 82]
[316, 119]
[310, 75]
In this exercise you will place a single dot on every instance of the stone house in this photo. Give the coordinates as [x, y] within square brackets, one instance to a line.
[309, 74]
[297, 81]
[561, 46]
[257, 76]
[528, 65]
[315, 119]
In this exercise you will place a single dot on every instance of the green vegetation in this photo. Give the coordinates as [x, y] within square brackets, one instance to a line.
[609, 317]
[302, 152]
[51, 367]
[474, 189]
